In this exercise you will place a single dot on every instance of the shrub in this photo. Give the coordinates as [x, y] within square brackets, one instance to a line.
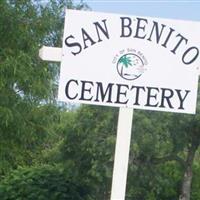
[41, 183]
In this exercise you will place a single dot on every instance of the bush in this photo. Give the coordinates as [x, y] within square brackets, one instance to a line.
[42, 183]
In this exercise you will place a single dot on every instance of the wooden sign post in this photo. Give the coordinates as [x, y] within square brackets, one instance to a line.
[122, 149]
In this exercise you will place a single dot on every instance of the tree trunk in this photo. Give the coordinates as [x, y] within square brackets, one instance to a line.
[187, 179]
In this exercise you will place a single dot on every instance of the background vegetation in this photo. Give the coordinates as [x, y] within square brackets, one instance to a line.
[53, 151]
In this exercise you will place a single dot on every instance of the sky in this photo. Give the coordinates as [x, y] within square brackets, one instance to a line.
[184, 10]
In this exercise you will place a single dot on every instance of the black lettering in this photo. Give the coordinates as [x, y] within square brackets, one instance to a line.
[84, 90]
[151, 96]
[103, 30]
[120, 93]
[73, 44]
[67, 89]
[182, 99]
[179, 42]
[137, 94]
[166, 97]
[102, 93]
[140, 27]
[126, 26]
[157, 32]
[193, 58]
[86, 37]
[168, 37]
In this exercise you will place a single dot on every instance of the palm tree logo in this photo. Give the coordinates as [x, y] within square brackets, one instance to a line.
[130, 66]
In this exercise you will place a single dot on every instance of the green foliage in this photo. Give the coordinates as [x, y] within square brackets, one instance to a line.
[88, 148]
[195, 194]
[47, 182]
[159, 153]
[25, 81]
[32, 126]
[28, 85]
[156, 162]
[158, 182]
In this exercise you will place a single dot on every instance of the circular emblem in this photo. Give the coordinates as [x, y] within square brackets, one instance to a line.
[130, 66]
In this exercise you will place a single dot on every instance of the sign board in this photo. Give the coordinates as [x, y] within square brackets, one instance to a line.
[130, 61]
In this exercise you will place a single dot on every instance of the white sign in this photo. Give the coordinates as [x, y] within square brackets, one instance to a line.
[130, 61]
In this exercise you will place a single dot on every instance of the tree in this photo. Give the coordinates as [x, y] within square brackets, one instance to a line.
[89, 147]
[158, 156]
[188, 142]
[27, 84]
[167, 140]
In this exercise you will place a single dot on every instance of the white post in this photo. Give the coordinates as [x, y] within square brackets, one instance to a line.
[51, 53]
[122, 154]
[123, 139]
